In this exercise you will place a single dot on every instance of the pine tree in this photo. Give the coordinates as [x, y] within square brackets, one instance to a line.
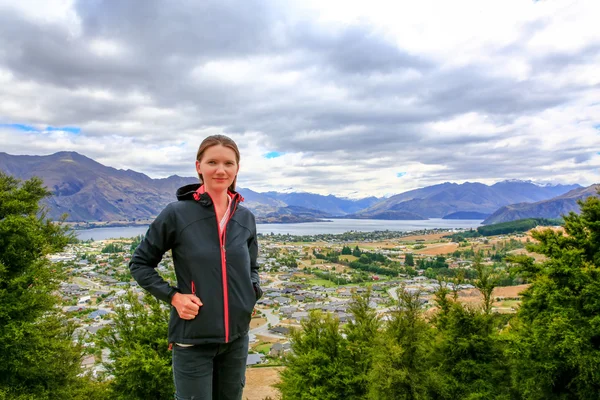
[318, 367]
[38, 357]
[361, 334]
[140, 362]
[556, 349]
[401, 362]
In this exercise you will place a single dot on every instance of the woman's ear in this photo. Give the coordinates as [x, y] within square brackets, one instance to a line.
[198, 169]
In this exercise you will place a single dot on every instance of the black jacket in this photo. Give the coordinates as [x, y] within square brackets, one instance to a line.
[222, 275]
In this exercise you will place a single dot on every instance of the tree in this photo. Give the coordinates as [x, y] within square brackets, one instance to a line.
[320, 365]
[486, 282]
[356, 252]
[409, 260]
[556, 348]
[112, 248]
[402, 353]
[38, 356]
[140, 361]
[361, 334]
[468, 359]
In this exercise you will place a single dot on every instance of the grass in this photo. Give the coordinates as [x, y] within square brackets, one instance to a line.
[264, 348]
[510, 303]
[321, 282]
[348, 257]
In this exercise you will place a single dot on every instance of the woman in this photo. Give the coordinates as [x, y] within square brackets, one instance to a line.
[213, 242]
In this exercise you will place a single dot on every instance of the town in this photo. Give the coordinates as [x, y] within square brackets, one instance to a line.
[299, 274]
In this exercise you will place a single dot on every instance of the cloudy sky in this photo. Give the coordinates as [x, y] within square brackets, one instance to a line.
[333, 97]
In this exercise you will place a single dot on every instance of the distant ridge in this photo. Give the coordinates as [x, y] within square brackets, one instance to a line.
[551, 208]
[445, 199]
[89, 191]
[466, 215]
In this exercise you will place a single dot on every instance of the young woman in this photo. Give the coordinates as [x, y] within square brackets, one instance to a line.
[213, 242]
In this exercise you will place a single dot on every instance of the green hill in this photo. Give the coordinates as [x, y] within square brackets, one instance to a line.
[521, 225]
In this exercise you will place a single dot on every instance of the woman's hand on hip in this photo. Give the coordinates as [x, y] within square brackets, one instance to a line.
[187, 305]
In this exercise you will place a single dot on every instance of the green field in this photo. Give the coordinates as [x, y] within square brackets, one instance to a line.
[321, 282]
[264, 348]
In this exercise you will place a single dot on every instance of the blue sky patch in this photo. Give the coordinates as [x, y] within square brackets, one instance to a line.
[30, 128]
[597, 126]
[273, 154]
[71, 129]
[400, 174]
[20, 127]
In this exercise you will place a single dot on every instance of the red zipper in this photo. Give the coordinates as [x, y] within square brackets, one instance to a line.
[193, 288]
[224, 268]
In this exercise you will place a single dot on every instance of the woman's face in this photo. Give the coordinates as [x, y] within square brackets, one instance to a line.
[218, 167]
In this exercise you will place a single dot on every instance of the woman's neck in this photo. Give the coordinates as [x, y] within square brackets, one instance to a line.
[220, 198]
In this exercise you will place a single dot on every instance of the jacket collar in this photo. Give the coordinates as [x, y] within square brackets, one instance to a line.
[198, 193]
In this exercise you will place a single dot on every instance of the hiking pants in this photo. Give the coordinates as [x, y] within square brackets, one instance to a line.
[210, 371]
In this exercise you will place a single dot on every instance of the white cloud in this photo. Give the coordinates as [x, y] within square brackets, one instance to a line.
[351, 92]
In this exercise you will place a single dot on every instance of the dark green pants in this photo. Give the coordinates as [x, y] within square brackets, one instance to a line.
[210, 371]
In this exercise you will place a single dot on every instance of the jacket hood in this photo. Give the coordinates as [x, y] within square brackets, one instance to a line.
[195, 191]
[187, 192]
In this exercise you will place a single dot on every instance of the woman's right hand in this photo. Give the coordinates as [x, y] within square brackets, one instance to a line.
[187, 305]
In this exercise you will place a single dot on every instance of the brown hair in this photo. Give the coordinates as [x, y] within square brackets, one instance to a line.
[216, 140]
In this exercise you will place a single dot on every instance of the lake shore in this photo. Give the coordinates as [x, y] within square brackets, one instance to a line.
[334, 226]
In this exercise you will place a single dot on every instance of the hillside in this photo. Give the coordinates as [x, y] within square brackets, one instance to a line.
[551, 208]
[89, 191]
[331, 205]
[445, 199]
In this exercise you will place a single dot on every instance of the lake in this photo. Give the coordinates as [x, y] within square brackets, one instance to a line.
[337, 226]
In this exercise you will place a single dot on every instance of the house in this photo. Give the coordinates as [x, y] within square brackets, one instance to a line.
[278, 349]
[344, 317]
[288, 311]
[282, 330]
[93, 329]
[98, 314]
[88, 361]
[300, 315]
[75, 308]
[282, 300]
[84, 300]
[254, 359]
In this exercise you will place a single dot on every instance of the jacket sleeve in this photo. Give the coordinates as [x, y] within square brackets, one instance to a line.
[253, 248]
[158, 240]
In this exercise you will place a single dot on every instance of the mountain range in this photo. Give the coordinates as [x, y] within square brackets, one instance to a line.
[553, 208]
[446, 199]
[89, 191]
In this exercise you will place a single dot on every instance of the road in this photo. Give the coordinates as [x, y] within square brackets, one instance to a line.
[263, 330]
[89, 284]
